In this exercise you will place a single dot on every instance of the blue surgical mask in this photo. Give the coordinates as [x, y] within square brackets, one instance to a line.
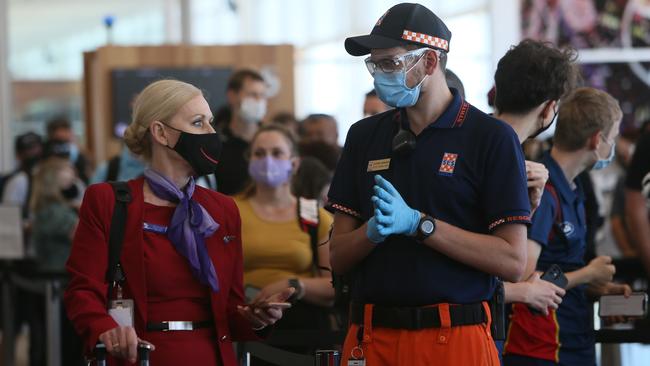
[74, 152]
[392, 89]
[603, 163]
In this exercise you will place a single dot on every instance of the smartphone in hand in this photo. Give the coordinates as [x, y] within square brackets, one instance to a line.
[618, 305]
[554, 275]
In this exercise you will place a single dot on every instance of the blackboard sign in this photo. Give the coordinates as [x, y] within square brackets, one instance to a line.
[127, 83]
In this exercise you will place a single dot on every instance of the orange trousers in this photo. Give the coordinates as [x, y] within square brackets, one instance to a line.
[470, 345]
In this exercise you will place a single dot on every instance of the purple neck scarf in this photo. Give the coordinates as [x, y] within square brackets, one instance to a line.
[190, 224]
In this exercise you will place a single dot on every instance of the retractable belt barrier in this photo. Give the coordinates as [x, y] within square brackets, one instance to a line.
[269, 352]
[47, 283]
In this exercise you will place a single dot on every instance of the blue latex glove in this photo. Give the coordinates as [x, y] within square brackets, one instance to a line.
[393, 215]
[372, 231]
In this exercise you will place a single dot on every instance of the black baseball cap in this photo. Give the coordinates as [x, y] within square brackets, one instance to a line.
[27, 141]
[403, 24]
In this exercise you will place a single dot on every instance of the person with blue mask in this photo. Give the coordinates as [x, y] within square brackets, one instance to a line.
[587, 126]
[430, 204]
[61, 141]
[122, 167]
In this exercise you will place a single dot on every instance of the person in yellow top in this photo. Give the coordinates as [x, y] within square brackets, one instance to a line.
[276, 244]
[278, 250]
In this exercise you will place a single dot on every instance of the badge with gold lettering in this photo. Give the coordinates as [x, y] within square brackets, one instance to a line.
[378, 165]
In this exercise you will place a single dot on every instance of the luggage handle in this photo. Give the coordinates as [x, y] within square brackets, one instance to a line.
[144, 351]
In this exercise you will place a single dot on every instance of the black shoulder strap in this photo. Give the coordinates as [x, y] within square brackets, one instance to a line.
[26, 208]
[116, 237]
[4, 178]
[113, 169]
[557, 215]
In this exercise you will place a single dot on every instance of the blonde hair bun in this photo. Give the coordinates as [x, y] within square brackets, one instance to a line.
[159, 101]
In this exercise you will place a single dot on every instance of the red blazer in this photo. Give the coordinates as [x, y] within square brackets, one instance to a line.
[85, 298]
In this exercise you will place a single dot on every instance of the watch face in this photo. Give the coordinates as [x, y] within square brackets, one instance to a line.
[427, 227]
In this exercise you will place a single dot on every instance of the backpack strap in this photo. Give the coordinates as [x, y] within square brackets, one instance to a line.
[4, 179]
[114, 273]
[113, 169]
[557, 215]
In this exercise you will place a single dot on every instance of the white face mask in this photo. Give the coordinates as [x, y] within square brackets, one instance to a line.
[252, 110]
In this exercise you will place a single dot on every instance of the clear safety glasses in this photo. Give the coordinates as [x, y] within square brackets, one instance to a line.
[396, 64]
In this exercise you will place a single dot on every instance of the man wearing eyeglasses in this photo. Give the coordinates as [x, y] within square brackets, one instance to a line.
[430, 205]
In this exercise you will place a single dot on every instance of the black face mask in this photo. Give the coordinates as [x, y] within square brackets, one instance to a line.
[544, 128]
[201, 151]
[71, 192]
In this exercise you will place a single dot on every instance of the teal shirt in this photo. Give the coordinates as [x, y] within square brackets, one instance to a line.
[50, 237]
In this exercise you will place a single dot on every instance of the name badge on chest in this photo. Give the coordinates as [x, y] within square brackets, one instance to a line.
[378, 165]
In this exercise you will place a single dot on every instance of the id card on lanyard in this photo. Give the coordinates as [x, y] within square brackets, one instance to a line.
[122, 312]
[121, 309]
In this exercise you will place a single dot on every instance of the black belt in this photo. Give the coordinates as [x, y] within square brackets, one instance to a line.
[414, 318]
[177, 325]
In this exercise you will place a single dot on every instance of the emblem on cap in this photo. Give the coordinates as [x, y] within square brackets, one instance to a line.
[381, 18]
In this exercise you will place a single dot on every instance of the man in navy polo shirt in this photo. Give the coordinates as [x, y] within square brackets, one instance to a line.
[584, 139]
[530, 80]
[430, 205]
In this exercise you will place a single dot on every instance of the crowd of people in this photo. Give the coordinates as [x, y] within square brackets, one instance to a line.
[433, 212]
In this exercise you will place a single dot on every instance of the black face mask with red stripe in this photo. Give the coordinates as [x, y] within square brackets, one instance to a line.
[201, 151]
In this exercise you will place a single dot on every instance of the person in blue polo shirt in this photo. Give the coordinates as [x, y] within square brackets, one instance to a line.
[529, 102]
[584, 139]
[430, 205]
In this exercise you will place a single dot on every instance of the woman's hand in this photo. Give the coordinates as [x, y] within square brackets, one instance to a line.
[122, 342]
[542, 295]
[261, 312]
[271, 289]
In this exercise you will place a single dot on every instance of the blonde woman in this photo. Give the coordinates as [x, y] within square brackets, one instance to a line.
[181, 256]
[54, 189]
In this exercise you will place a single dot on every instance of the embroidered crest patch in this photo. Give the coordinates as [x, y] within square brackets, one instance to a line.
[448, 164]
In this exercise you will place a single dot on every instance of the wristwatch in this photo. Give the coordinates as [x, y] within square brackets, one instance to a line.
[426, 227]
[300, 289]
